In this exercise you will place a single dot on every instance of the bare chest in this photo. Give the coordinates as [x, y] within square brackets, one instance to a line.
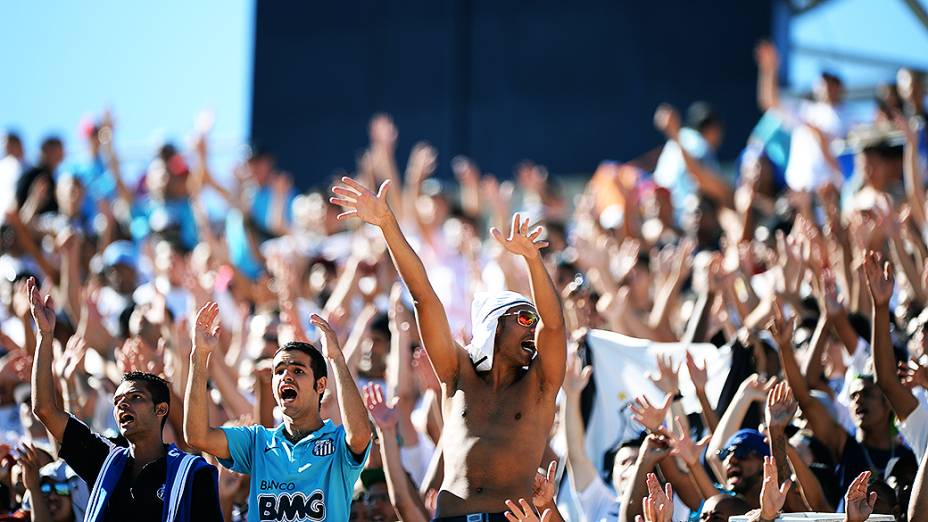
[477, 410]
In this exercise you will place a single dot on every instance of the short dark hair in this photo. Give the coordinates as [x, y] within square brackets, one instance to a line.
[611, 454]
[13, 137]
[49, 142]
[159, 388]
[381, 324]
[316, 360]
[700, 116]
[832, 77]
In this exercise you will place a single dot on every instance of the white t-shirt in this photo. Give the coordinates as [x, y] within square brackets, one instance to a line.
[856, 366]
[10, 170]
[598, 503]
[416, 459]
[915, 427]
[807, 168]
[111, 304]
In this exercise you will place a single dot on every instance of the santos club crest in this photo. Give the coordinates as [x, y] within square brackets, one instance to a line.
[324, 447]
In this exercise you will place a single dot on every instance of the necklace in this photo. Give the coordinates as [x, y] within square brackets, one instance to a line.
[877, 472]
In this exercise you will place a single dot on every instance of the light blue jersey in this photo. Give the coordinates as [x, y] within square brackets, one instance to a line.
[311, 480]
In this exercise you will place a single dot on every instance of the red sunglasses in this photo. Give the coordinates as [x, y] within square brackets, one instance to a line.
[526, 318]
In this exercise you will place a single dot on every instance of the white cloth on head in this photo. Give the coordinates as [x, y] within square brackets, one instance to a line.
[484, 316]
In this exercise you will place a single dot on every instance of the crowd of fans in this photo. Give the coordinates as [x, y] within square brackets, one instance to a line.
[810, 263]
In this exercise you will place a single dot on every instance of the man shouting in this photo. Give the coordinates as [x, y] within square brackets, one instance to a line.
[498, 394]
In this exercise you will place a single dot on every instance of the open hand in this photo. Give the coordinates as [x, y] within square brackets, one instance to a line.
[667, 120]
[382, 132]
[858, 505]
[520, 241]
[362, 203]
[522, 512]
[781, 407]
[828, 290]
[206, 330]
[422, 162]
[879, 276]
[781, 327]
[43, 309]
[647, 414]
[331, 348]
[72, 358]
[756, 389]
[577, 376]
[684, 446]
[913, 374]
[658, 506]
[768, 60]
[772, 493]
[385, 416]
[666, 379]
[15, 368]
[29, 461]
[699, 375]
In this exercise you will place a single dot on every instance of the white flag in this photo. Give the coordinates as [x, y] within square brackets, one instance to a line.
[621, 365]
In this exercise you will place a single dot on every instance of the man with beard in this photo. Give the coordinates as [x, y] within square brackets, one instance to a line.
[499, 393]
[874, 445]
[743, 460]
[304, 469]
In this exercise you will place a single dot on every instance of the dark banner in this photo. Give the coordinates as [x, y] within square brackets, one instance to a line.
[566, 84]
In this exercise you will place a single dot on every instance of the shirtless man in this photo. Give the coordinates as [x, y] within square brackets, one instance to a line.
[497, 414]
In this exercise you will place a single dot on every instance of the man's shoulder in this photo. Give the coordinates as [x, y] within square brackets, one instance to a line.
[255, 434]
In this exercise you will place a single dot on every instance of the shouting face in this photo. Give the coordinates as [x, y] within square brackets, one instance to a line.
[135, 411]
[515, 335]
[744, 469]
[296, 390]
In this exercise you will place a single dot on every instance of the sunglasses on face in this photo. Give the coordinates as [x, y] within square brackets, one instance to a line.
[740, 452]
[525, 318]
[62, 489]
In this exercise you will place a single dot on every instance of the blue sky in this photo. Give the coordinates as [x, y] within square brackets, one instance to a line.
[880, 30]
[157, 64]
[160, 64]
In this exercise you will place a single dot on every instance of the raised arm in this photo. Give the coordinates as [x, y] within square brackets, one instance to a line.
[699, 376]
[30, 463]
[768, 63]
[688, 451]
[751, 390]
[582, 470]
[667, 120]
[44, 405]
[653, 450]
[403, 495]
[880, 284]
[197, 431]
[550, 336]
[918, 503]
[400, 379]
[107, 133]
[350, 404]
[430, 313]
[914, 184]
[773, 494]
[825, 429]
[814, 364]
[780, 410]
[836, 312]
